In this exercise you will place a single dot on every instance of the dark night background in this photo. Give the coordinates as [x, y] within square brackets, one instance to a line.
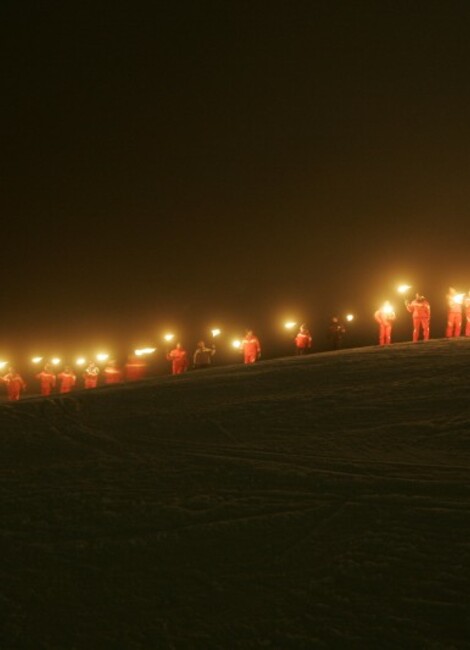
[188, 164]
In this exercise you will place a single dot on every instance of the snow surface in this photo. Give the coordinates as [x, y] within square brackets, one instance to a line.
[316, 502]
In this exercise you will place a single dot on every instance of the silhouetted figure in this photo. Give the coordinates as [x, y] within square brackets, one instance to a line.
[335, 333]
[202, 357]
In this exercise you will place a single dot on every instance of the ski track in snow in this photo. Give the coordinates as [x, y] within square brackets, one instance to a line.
[318, 502]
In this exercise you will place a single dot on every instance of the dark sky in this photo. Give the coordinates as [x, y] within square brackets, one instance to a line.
[185, 163]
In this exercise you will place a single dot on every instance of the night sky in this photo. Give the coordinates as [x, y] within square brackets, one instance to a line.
[187, 164]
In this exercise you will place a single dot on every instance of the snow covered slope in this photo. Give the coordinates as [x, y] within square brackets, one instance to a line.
[318, 502]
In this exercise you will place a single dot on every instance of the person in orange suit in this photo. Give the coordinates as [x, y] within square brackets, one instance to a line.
[454, 313]
[466, 306]
[385, 317]
[420, 311]
[15, 384]
[112, 373]
[303, 340]
[136, 368]
[179, 359]
[67, 380]
[90, 376]
[47, 380]
[251, 348]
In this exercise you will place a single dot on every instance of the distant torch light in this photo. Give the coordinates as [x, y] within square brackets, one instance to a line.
[143, 351]
[169, 337]
[37, 359]
[215, 332]
[55, 361]
[3, 364]
[237, 344]
[102, 356]
[290, 324]
[350, 318]
[387, 309]
[80, 361]
[458, 298]
[403, 288]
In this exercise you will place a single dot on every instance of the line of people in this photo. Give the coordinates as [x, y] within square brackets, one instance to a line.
[250, 347]
[66, 380]
[458, 307]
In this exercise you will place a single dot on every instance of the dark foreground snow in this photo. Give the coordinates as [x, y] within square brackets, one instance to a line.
[320, 502]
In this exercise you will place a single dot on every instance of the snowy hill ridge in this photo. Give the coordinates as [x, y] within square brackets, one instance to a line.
[315, 502]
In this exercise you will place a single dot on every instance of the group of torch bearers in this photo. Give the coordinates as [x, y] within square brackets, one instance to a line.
[66, 380]
[458, 307]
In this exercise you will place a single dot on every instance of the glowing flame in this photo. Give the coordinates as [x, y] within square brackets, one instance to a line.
[80, 361]
[37, 359]
[169, 337]
[290, 324]
[350, 317]
[55, 361]
[3, 364]
[215, 332]
[143, 351]
[387, 309]
[403, 288]
[458, 298]
[102, 356]
[236, 344]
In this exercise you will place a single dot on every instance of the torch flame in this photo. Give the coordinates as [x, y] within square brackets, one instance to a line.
[3, 364]
[169, 337]
[236, 344]
[458, 298]
[102, 356]
[142, 351]
[80, 361]
[290, 324]
[37, 359]
[403, 288]
[350, 317]
[55, 361]
[215, 332]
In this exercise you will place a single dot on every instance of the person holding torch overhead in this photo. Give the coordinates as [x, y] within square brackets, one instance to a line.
[385, 317]
[466, 304]
[420, 310]
[454, 313]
